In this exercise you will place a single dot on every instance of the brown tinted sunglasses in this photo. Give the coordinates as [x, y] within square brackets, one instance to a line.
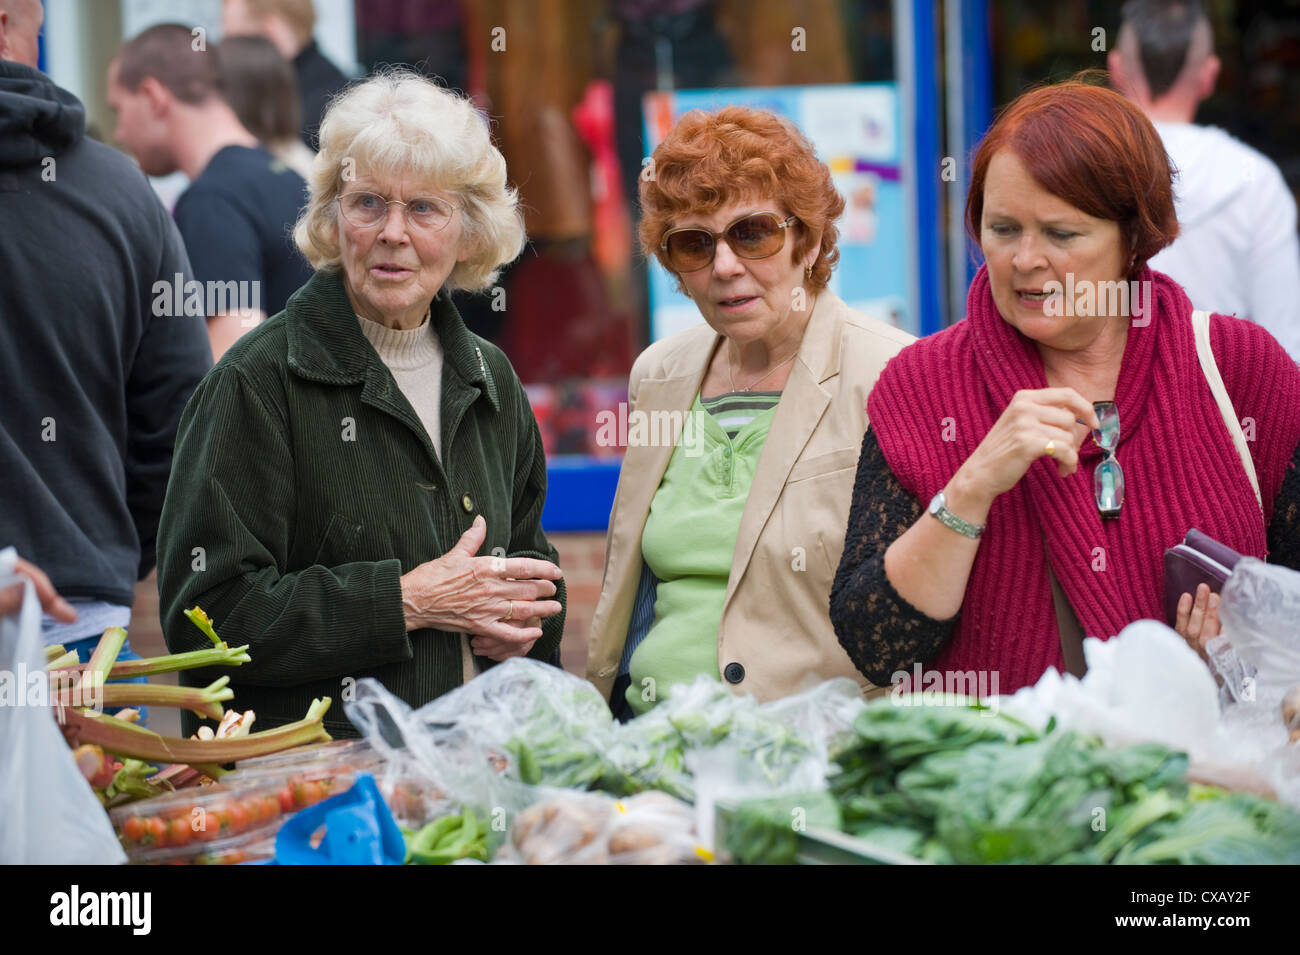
[753, 236]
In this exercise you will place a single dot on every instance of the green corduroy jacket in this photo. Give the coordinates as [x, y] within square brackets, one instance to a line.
[304, 485]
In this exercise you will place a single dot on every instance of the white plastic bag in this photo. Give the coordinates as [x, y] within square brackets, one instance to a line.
[1147, 684]
[48, 813]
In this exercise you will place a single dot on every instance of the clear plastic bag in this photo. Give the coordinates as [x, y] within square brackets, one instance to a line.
[576, 828]
[782, 744]
[414, 774]
[48, 813]
[1259, 665]
[412, 796]
[1259, 613]
[822, 715]
[773, 776]
[549, 727]
[498, 742]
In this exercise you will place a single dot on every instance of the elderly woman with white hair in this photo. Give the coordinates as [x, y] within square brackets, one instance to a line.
[358, 484]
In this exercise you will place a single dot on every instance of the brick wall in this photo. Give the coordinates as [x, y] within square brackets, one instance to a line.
[582, 556]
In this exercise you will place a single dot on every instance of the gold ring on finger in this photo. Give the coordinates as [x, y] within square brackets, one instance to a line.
[1050, 450]
[510, 611]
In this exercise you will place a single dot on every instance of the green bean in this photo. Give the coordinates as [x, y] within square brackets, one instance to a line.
[427, 837]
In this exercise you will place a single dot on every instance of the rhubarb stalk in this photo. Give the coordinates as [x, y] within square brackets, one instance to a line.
[178, 775]
[105, 655]
[69, 659]
[193, 659]
[205, 701]
[131, 741]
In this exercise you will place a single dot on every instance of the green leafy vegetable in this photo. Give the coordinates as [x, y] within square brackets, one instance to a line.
[956, 784]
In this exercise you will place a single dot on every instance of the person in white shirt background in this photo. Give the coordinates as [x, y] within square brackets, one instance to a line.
[1237, 252]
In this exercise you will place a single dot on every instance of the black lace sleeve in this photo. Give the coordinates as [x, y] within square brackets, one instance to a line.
[1284, 529]
[881, 632]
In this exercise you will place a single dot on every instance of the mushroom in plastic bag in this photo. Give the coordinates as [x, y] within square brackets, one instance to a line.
[574, 828]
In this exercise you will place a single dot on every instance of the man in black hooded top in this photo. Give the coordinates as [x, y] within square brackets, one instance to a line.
[94, 379]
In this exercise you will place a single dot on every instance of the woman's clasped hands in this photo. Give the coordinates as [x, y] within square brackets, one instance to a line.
[499, 601]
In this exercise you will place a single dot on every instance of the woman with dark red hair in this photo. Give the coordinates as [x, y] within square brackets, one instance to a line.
[1026, 469]
[743, 431]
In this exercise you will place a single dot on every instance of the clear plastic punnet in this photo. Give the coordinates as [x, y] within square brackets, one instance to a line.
[191, 818]
[303, 783]
[254, 846]
[331, 753]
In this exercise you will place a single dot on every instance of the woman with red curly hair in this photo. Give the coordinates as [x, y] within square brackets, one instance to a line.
[1026, 469]
[726, 530]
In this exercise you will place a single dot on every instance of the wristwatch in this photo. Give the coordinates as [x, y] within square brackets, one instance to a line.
[939, 509]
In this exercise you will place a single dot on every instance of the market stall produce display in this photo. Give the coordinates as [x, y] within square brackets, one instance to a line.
[462, 835]
[592, 829]
[957, 784]
[192, 817]
[526, 765]
[79, 693]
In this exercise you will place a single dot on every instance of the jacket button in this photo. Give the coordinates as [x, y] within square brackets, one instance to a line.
[734, 673]
[467, 502]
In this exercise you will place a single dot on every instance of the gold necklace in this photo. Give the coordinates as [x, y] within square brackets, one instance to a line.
[731, 380]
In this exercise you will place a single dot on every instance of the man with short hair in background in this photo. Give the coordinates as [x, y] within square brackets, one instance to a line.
[1237, 251]
[237, 214]
[94, 379]
[290, 25]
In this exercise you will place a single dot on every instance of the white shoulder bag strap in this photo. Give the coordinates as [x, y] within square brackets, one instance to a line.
[1201, 326]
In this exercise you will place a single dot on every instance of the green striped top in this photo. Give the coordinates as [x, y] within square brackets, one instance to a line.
[689, 544]
[735, 409]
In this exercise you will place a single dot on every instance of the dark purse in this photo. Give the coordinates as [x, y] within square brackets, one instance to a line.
[1199, 559]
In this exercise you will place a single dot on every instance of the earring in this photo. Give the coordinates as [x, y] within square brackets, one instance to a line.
[808, 272]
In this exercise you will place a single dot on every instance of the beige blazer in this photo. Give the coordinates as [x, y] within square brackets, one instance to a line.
[776, 613]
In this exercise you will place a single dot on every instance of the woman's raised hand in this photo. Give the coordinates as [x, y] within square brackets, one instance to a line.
[1037, 422]
[461, 592]
[929, 565]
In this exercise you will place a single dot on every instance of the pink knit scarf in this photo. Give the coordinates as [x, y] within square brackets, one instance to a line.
[939, 397]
